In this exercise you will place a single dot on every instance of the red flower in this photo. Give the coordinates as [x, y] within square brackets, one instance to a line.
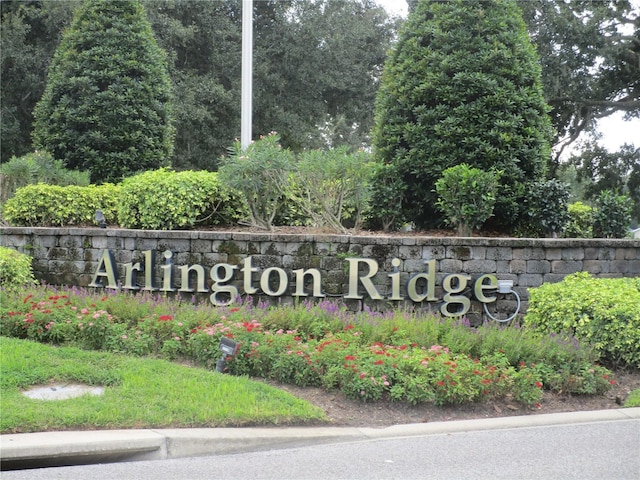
[378, 362]
[27, 298]
[233, 310]
[440, 384]
[165, 318]
[538, 384]
[349, 357]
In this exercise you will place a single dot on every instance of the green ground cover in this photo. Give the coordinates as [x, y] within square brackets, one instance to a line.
[139, 393]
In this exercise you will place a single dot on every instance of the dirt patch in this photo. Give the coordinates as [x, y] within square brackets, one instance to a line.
[344, 412]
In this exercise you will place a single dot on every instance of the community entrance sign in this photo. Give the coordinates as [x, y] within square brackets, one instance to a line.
[226, 282]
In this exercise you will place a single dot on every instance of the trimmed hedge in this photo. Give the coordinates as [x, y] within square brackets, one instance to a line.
[603, 311]
[43, 205]
[167, 200]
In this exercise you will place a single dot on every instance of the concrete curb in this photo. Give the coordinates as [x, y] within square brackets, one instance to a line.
[28, 450]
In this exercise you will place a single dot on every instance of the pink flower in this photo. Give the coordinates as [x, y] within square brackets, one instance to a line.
[84, 311]
[124, 337]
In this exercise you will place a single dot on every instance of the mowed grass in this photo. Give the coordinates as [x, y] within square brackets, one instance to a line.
[139, 393]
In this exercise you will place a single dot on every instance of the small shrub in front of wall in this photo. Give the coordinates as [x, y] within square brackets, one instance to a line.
[580, 221]
[164, 199]
[15, 269]
[43, 205]
[603, 312]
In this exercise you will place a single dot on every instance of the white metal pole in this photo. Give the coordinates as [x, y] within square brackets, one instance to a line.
[247, 73]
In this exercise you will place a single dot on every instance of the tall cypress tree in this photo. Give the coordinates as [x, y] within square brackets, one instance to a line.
[106, 106]
[462, 85]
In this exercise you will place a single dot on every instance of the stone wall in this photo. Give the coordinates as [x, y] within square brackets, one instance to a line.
[71, 256]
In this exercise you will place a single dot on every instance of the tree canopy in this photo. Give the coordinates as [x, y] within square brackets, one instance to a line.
[316, 64]
[590, 57]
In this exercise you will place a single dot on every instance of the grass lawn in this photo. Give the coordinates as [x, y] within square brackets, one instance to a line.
[140, 393]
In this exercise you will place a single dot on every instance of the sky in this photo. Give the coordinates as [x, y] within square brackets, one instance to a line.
[615, 131]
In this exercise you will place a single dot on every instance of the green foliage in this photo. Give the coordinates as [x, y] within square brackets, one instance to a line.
[36, 167]
[634, 399]
[612, 215]
[138, 393]
[466, 197]
[106, 106]
[603, 312]
[164, 199]
[462, 85]
[261, 174]
[332, 186]
[580, 221]
[547, 207]
[15, 269]
[590, 61]
[30, 33]
[44, 205]
[387, 191]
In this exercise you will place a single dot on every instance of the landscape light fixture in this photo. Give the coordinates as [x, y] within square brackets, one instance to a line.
[505, 287]
[102, 222]
[228, 347]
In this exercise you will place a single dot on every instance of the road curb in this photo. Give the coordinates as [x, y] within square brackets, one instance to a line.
[29, 450]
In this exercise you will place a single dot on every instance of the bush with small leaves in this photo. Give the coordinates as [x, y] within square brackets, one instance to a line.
[44, 205]
[580, 221]
[164, 199]
[333, 186]
[547, 207]
[466, 197]
[601, 311]
[15, 269]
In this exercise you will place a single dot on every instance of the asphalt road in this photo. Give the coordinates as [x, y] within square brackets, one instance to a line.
[599, 450]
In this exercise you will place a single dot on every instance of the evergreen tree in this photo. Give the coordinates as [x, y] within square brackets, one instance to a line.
[462, 85]
[106, 106]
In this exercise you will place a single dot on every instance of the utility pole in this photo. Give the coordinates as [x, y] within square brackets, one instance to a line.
[247, 73]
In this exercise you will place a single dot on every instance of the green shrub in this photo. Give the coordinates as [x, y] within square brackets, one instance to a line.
[387, 191]
[164, 199]
[466, 197]
[612, 216]
[547, 204]
[333, 186]
[580, 221]
[261, 174]
[15, 269]
[36, 167]
[603, 312]
[52, 205]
